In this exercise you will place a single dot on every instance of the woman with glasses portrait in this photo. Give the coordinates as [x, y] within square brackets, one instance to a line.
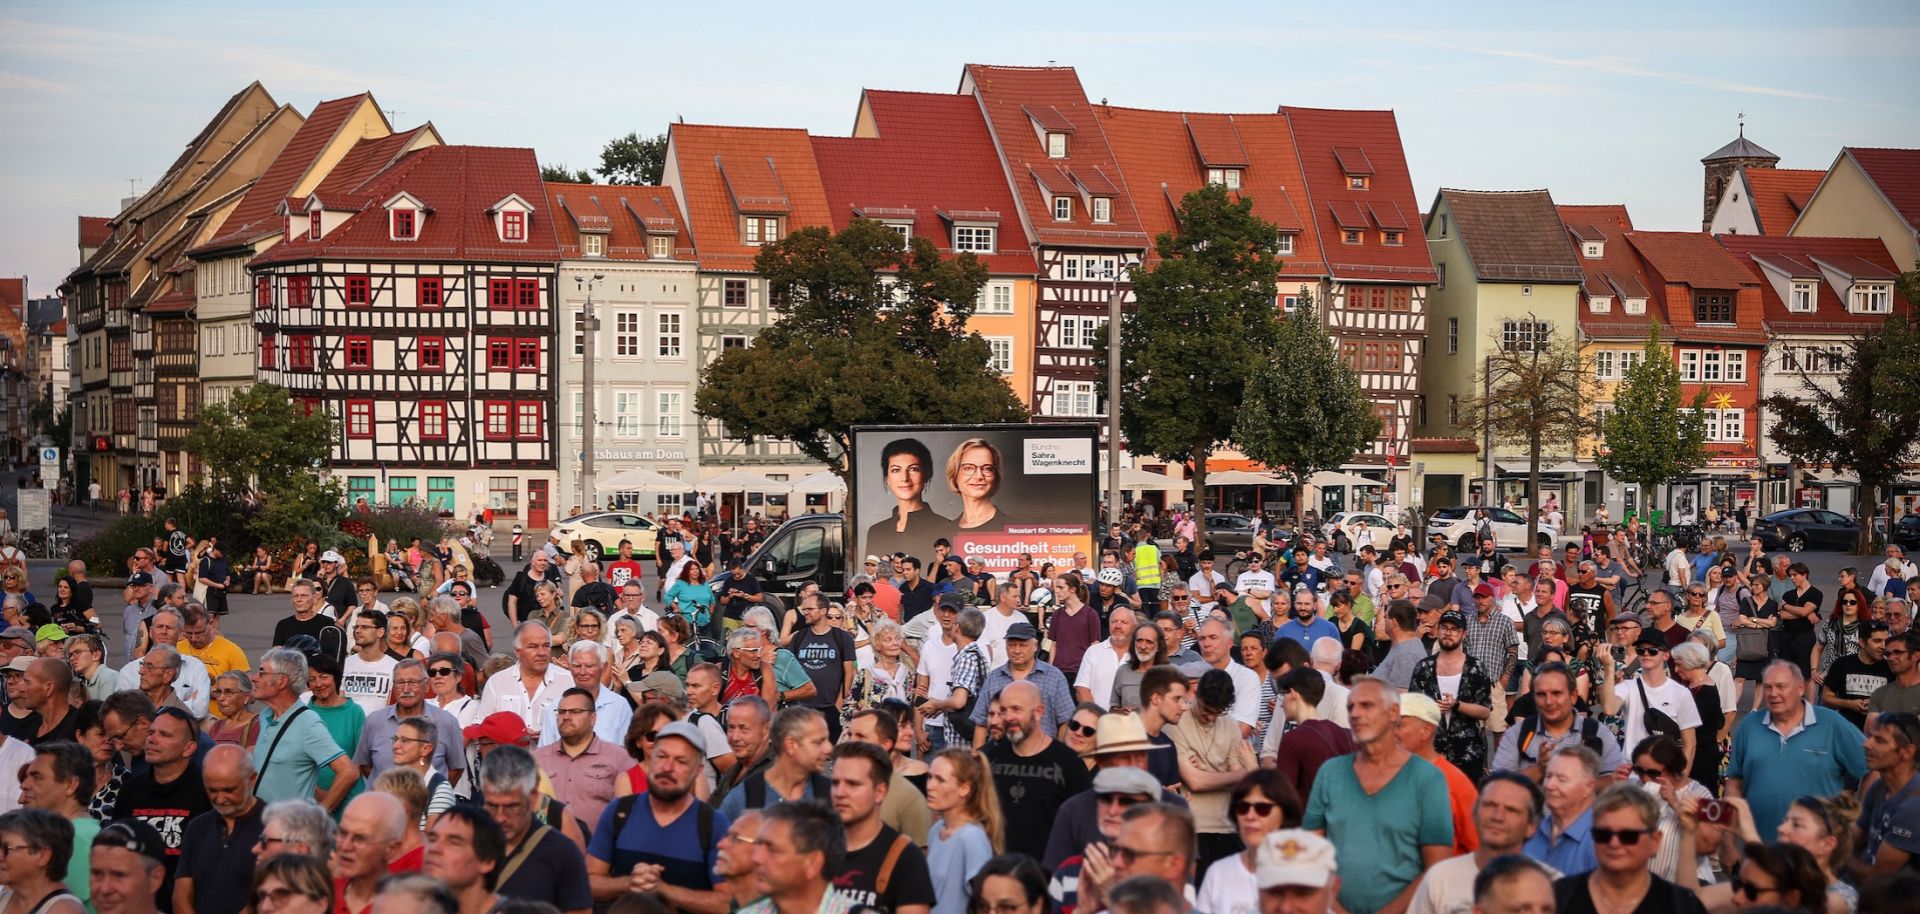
[974, 471]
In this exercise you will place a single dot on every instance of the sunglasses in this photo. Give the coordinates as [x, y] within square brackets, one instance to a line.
[1650, 651]
[1082, 729]
[1254, 806]
[1123, 800]
[1627, 837]
[1748, 889]
[1649, 774]
[441, 671]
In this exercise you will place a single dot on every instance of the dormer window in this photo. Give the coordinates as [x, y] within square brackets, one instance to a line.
[1103, 209]
[903, 229]
[1056, 145]
[593, 245]
[1600, 304]
[1390, 239]
[975, 238]
[1357, 182]
[1593, 250]
[760, 230]
[313, 225]
[1634, 305]
[1228, 178]
[1062, 208]
[1804, 294]
[1284, 246]
[1350, 236]
[661, 247]
[403, 226]
[1871, 298]
[513, 226]
[1713, 308]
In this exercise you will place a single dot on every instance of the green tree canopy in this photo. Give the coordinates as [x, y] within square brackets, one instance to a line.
[1305, 411]
[633, 160]
[1531, 395]
[871, 330]
[261, 445]
[565, 175]
[1651, 436]
[1864, 420]
[1203, 323]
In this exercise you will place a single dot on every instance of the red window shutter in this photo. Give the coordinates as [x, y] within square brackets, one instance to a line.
[266, 350]
[500, 355]
[433, 420]
[263, 292]
[528, 294]
[433, 353]
[526, 355]
[428, 292]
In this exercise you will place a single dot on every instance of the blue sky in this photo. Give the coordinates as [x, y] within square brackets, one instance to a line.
[1608, 102]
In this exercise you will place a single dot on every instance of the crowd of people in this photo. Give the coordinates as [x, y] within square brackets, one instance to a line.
[1390, 729]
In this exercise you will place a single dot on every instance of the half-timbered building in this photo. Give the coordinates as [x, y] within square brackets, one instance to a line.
[741, 188]
[411, 297]
[628, 248]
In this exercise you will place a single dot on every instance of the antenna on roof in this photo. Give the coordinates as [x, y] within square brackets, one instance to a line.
[133, 187]
[680, 118]
[393, 114]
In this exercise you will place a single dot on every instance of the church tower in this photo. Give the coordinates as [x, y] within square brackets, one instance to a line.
[1724, 162]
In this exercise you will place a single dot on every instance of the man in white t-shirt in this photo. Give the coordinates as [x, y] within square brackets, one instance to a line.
[366, 675]
[1094, 682]
[936, 658]
[1506, 814]
[1216, 652]
[1206, 580]
[1256, 575]
[1001, 616]
[1679, 569]
[1661, 692]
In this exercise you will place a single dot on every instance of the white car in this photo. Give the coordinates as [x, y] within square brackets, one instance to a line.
[602, 531]
[1348, 522]
[1458, 526]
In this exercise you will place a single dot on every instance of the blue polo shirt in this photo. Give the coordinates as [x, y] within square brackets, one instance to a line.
[1572, 852]
[1309, 633]
[1824, 756]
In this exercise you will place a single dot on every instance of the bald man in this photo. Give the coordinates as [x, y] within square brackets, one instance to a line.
[1033, 772]
[370, 833]
[215, 873]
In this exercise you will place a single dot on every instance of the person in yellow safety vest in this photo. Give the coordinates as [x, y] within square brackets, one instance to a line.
[1146, 568]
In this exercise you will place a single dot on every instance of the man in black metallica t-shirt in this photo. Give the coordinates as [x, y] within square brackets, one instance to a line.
[876, 853]
[1033, 773]
[169, 792]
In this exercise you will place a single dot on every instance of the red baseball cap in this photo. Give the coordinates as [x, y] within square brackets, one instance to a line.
[503, 727]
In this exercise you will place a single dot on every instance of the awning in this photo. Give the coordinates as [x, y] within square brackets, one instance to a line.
[1563, 468]
[1326, 479]
[741, 481]
[641, 479]
[1137, 480]
[821, 483]
[1245, 478]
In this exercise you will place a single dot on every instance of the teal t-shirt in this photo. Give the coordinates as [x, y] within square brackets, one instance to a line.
[1384, 831]
[344, 723]
[696, 600]
[290, 770]
[78, 880]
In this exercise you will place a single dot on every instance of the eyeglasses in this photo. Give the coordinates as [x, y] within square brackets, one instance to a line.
[747, 840]
[409, 683]
[836, 617]
[1647, 651]
[1849, 602]
[440, 671]
[650, 736]
[1743, 887]
[1627, 837]
[414, 739]
[1082, 729]
[278, 896]
[979, 469]
[1122, 800]
[6, 849]
[1254, 806]
[1125, 855]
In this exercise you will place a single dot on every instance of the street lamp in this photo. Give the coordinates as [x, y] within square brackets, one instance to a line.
[1113, 396]
[589, 328]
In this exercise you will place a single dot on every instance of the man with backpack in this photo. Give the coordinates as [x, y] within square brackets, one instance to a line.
[1532, 739]
[662, 841]
[800, 746]
[882, 868]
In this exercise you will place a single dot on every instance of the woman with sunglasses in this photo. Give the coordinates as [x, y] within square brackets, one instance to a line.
[292, 884]
[1839, 636]
[35, 846]
[237, 723]
[1821, 826]
[1079, 729]
[443, 684]
[1780, 876]
[1699, 614]
[1262, 803]
[1626, 820]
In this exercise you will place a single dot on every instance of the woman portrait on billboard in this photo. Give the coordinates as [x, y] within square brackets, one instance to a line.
[974, 473]
[911, 527]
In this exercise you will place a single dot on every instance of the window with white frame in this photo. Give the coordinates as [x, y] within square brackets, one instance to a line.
[1594, 250]
[1440, 273]
[1804, 295]
[975, 238]
[666, 413]
[1735, 363]
[626, 413]
[1075, 398]
[1069, 267]
[1604, 367]
[1056, 145]
[1080, 332]
[668, 337]
[1062, 208]
[1725, 426]
[626, 334]
[1870, 298]
[1453, 336]
[1634, 305]
[1228, 178]
[733, 341]
[1284, 247]
[1525, 336]
[593, 244]
[1600, 304]
[1613, 364]
[1000, 358]
[243, 337]
[662, 247]
[903, 229]
[1689, 365]
[579, 413]
[213, 342]
[1103, 209]
[995, 298]
[761, 230]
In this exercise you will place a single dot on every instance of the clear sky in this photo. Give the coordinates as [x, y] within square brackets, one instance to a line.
[1599, 102]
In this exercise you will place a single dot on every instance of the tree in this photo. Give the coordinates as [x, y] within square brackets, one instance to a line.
[632, 160]
[1533, 396]
[1203, 323]
[261, 446]
[1305, 411]
[871, 330]
[1863, 420]
[1651, 438]
[565, 175]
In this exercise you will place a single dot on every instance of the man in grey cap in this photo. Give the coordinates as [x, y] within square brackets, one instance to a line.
[1114, 791]
[1056, 694]
[661, 686]
[670, 845]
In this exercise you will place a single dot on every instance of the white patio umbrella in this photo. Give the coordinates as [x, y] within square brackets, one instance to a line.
[741, 481]
[641, 479]
[821, 483]
[1323, 480]
[1138, 479]
[1243, 478]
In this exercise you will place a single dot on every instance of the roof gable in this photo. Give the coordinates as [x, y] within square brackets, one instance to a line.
[1778, 195]
[1328, 142]
[1896, 172]
[626, 214]
[1514, 236]
[258, 215]
[1617, 274]
[759, 162]
[1778, 260]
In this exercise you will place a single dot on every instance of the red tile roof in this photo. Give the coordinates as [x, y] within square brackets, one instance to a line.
[346, 186]
[179, 301]
[95, 230]
[13, 293]
[258, 215]
[1008, 95]
[1690, 258]
[1802, 258]
[714, 162]
[1163, 155]
[1897, 173]
[932, 161]
[458, 185]
[1779, 194]
[58, 328]
[627, 213]
[1616, 273]
[1329, 143]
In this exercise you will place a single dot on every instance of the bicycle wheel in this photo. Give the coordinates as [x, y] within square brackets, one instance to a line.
[1232, 572]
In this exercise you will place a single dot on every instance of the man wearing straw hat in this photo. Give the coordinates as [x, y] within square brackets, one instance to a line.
[1119, 741]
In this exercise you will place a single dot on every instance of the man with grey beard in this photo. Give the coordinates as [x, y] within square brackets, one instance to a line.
[1033, 773]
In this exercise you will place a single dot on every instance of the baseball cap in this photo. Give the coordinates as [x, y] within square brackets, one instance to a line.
[1021, 631]
[686, 730]
[1121, 779]
[661, 681]
[1624, 618]
[134, 835]
[1294, 856]
[19, 664]
[501, 727]
[139, 579]
[1483, 591]
[1651, 638]
[332, 556]
[50, 632]
[1419, 707]
[951, 600]
[1454, 617]
[1432, 601]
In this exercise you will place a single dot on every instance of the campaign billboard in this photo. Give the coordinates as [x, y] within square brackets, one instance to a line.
[993, 491]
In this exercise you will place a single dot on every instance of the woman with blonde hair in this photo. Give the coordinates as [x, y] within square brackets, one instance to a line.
[973, 473]
[625, 648]
[960, 791]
